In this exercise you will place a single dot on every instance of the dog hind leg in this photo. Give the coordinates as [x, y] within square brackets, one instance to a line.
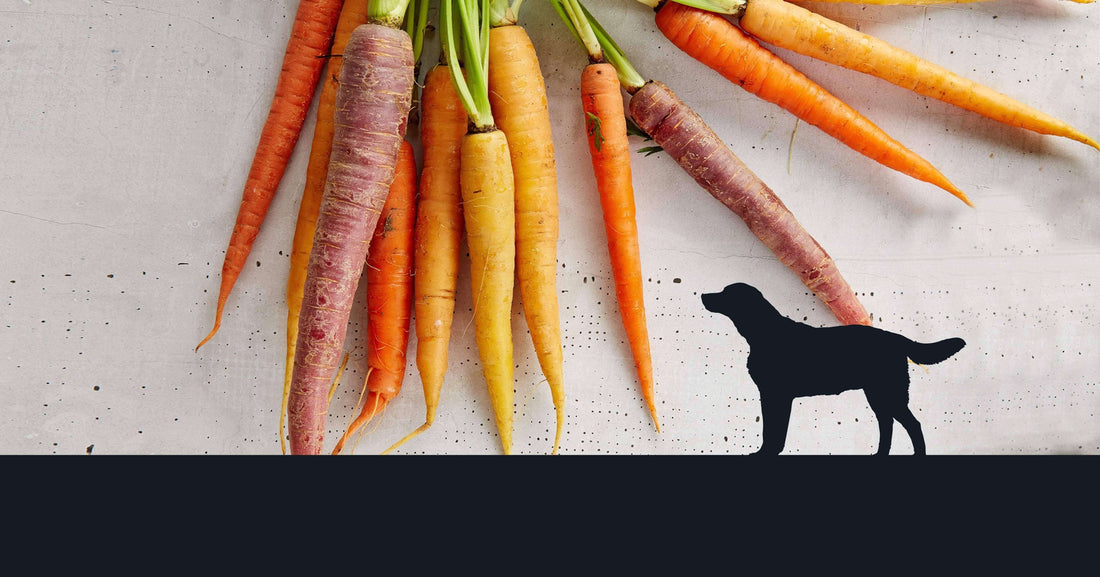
[885, 431]
[885, 417]
[912, 426]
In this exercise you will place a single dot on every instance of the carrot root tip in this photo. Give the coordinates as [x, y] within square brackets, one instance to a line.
[557, 434]
[378, 405]
[217, 325]
[653, 414]
[416, 432]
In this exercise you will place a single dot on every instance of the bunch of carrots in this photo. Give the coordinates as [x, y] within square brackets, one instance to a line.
[489, 175]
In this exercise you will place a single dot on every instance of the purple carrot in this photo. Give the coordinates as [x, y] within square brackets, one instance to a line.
[687, 138]
[372, 107]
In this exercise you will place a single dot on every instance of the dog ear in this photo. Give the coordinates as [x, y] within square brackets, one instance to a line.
[742, 290]
[750, 291]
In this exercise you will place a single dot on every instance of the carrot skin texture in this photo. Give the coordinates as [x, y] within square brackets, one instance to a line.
[699, 151]
[601, 97]
[372, 106]
[352, 15]
[310, 40]
[388, 274]
[715, 41]
[829, 41]
[517, 94]
[439, 230]
[488, 199]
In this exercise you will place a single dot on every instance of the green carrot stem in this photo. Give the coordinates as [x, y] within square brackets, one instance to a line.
[731, 7]
[504, 12]
[416, 22]
[575, 20]
[387, 12]
[473, 87]
[613, 55]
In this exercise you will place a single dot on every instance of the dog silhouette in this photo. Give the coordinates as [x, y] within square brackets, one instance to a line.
[788, 359]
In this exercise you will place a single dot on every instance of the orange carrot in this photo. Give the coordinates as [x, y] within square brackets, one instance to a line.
[389, 293]
[310, 40]
[438, 242]
[792, 27]
[352, 15]
[601, 97]
[715, 41]
[605, 122]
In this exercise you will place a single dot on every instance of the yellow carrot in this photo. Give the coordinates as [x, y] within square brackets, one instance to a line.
[517, 94]
[795, 28]
[488, 206]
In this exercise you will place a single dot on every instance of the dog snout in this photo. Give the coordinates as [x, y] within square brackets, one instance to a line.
[709, 301]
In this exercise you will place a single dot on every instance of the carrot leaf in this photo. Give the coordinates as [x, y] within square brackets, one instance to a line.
[650, 150]
[633, 130]
[595, 129]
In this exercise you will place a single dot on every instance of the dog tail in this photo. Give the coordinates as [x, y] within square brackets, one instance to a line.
[932, 353]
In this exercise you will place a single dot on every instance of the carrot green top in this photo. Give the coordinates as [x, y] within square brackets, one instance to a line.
[416, 21]
[472, 17]
[731, 7]
[387, 12]
[597, 42]
[503, 12]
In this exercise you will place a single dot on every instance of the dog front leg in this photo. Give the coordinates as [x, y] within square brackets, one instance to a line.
[776, 415]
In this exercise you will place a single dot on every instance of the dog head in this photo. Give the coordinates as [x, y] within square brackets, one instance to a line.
[732, 299]
[743, 304]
